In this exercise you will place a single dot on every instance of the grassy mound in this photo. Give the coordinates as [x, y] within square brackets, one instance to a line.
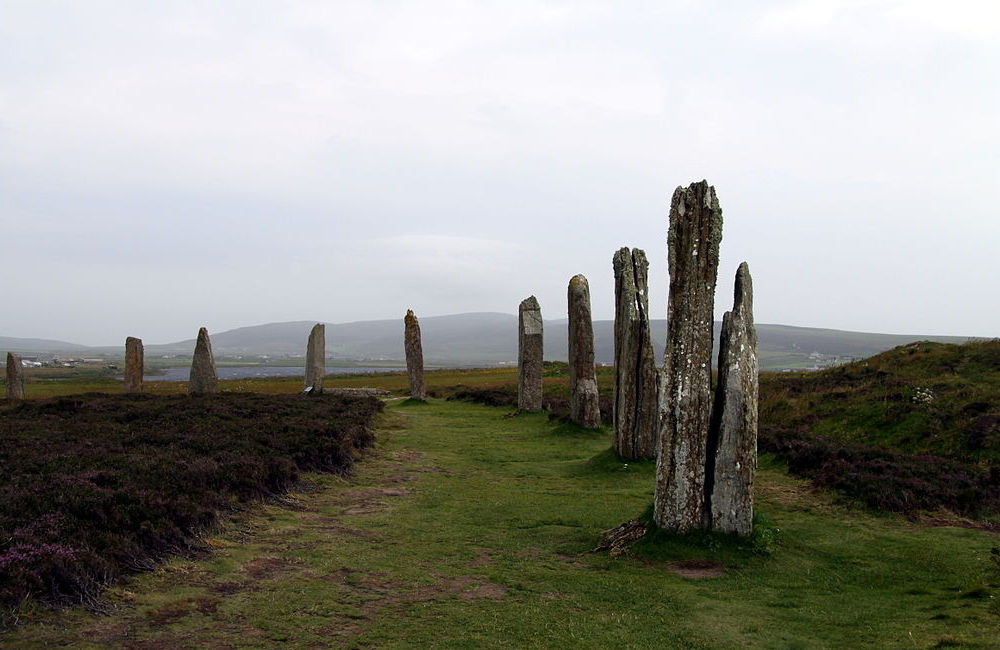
[923, 398]
[95, 486]
[914, 428]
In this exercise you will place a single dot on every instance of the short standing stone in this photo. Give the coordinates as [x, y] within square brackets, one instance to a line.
[316, 359]
[414, 356]
[15, 377]
[584, 406]
[133, 365]
[734, 423]
[686, 403]
[636, 394]
[529, 356]
[203, 378]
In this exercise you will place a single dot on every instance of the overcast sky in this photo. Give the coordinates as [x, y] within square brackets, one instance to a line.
[165, 166]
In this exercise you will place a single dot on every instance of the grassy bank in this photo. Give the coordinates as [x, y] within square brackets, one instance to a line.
[467, 528]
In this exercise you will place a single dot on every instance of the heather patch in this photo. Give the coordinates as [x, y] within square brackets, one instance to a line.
[96, 486]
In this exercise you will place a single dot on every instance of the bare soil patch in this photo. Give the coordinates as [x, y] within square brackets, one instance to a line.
[696, 569]
[262, 568]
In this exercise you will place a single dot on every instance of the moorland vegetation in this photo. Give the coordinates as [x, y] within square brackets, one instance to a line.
[95, 486]
[912, 430]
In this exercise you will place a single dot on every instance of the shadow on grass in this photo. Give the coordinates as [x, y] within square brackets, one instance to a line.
[574, 430]
[608, 462]
[412, 401]
[728, 549]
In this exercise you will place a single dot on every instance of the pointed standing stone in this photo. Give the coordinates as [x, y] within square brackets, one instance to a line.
[15, 377]
[584, 407]
[686, 402]
[203, 378]
[414, 356]
[316, 358]
[734, 426]
[636, 396]
[529, 356]
[133, 365]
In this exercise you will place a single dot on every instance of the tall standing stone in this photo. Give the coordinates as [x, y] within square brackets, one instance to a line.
[529, 356]
[15, 377]
[414, 356]
[584, 406]
[636, 397]
[203, 378]
[133, 365]
[316, 359]
[686, 403]
[734, 424]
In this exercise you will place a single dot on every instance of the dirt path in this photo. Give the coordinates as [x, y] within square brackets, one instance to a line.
[271, 572]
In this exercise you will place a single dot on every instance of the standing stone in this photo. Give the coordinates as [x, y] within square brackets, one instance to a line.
[529, 356]
[686, 403]
[636, 397]
[15, 377]
[316, 359]
[584, 406]
[133, 365]
[734, 423]
[414, 356]
[203, 378]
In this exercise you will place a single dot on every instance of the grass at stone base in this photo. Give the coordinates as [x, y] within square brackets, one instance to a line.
[470, 529]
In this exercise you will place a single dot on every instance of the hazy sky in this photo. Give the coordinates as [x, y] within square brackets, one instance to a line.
[165, 166]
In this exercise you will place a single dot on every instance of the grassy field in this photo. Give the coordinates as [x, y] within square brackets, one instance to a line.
[467, 528]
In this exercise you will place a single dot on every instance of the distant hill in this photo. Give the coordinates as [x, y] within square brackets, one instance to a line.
[478, 338]
[25, 346]
[457, 339]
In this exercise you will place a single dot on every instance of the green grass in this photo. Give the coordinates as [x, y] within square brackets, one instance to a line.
[467, 528]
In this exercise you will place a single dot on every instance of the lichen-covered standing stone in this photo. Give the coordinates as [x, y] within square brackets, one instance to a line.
[15, 377]
[734, 423]
[316, 358]
[636, 394]
[203, 379]
[584, 407]
[414, 356]
[686, 402]
[133, 365]
[529, 356]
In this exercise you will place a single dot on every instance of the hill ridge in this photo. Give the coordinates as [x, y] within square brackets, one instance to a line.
[471, 338]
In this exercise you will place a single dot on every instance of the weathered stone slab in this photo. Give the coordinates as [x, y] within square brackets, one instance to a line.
[636, 395]
[316, 359]
[15, 377]
[584, 406]
[133, 365]
[686, 403]
[733, 436]
[414, 356]
[203, 379]
[529, 356]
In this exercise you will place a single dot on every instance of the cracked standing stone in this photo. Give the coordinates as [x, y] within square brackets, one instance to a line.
[636, 392]
[686, 402]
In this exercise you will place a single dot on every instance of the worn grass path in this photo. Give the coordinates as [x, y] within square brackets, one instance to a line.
[468, 529]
